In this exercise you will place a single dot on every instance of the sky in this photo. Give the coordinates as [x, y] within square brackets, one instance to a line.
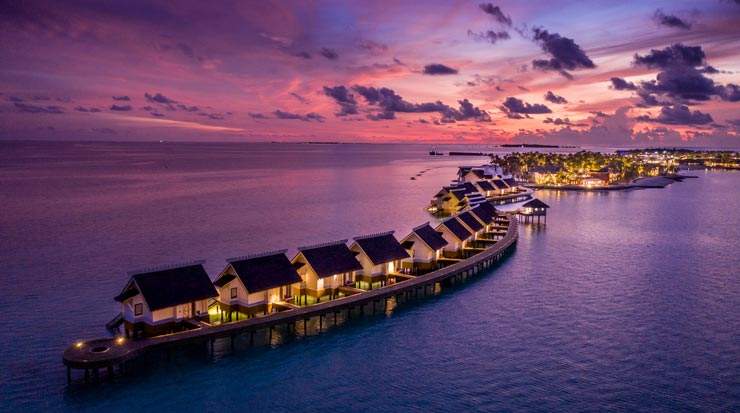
[602, 73]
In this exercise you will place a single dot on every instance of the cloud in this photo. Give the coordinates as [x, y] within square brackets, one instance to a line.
[14, 99]
[515, 108]
[553, 98]
[344, 97]
[87, 110]
[563, 122]
[372, 47]
[157, 114]
[120, 108]
[489, 36]
[439, 69]
[330, 54]
[302, 55]
[159, 98]
[678, 115]
[496, 12]
[188, 108]
[27, 108]
[620, 84]
[679, 78]
[390, 103]
[299, 98]
[256, 115]
[674, 55]
[121, 98]
[295, 116]
[564, 52]
[670, 21]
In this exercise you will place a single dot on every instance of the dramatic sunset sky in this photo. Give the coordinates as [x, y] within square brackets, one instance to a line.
[612, 73]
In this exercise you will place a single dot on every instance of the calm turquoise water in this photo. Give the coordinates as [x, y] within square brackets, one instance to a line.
[624, 301]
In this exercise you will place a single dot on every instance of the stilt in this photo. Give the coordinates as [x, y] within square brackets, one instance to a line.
[321, 322]
[269, 337]
[305, 328]
[251, 338]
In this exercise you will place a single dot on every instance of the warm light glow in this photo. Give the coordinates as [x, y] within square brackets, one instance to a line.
[79, 344]
[120, 340]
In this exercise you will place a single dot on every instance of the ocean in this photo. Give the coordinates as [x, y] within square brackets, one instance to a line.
[624, 300]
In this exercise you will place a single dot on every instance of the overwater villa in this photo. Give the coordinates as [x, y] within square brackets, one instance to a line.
[324, 270]
[254, 284]
[485, 213]
[380, 256]
[159, 300]
[471, 223]
[501, 187]
[424, 245]
[455, 234]
[486, 188]
[534, 209]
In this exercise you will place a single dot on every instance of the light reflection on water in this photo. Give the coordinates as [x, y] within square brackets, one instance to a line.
[624, 300]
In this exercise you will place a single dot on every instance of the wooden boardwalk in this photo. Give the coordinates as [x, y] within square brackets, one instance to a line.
[107, 353]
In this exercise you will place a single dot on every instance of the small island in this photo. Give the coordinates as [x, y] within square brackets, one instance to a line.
[585, 170]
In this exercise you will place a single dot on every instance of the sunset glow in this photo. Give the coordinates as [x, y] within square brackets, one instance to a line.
[565, 72]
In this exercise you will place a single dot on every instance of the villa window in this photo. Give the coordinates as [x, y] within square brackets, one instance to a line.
[233, 292]
[138, 309]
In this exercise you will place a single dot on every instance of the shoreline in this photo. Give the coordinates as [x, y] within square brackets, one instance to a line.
[655, 182]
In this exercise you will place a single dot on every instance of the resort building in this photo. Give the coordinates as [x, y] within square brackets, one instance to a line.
[543, 175]
[253, 284]
[455, 234]
[532, 209]
[380, 256]
[424, 245]
[486, 188]
[159, 300]
[324, 269]
[471, 223]
[485, 213]
[501, 187]
[511, 183]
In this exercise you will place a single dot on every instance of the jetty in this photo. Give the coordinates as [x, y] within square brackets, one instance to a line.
[112, 354]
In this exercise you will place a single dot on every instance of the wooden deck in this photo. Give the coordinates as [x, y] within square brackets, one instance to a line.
[106, 353]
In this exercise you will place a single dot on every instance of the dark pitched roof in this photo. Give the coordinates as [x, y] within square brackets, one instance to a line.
[173, 286]
[470, 221]
[458, 193]
[535, 203]
[457, 228]
[486, 186]
[478, 172]
[329, 259]
[483, 213]
[498, 183]
[489, 208]
[381, 248]
[468, 187]
[431, 237]
[265, 271]
[510, 181]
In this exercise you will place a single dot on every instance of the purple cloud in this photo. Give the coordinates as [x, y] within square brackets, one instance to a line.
[678, 115]
[553, 98]
[496, 13]
[565, 53]
[439, 69]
